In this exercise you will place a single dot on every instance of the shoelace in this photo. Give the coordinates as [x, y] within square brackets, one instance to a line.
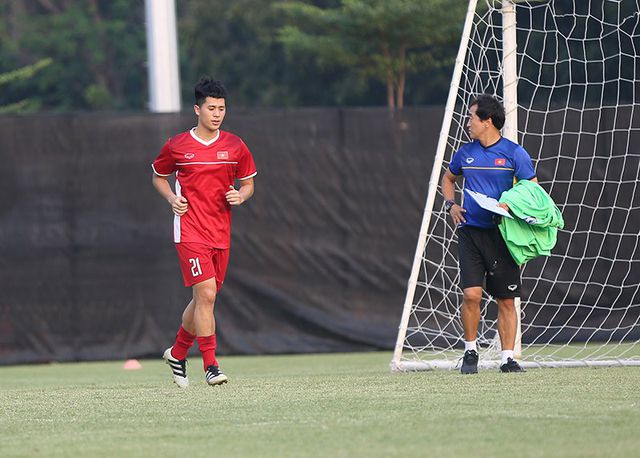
[461, 359]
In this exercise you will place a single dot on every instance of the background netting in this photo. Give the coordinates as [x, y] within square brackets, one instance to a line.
[579, 118]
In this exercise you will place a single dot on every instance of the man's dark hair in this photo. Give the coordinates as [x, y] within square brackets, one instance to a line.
[489, 107]
[208, 87]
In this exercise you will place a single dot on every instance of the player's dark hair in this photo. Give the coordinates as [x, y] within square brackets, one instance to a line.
[208, 87]
[489, 107]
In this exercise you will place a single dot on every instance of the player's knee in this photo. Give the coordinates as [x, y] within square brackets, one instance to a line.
[205, 297]
[472, 297]
[506, 305]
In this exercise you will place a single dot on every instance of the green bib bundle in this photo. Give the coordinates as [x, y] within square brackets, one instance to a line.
[533, 232]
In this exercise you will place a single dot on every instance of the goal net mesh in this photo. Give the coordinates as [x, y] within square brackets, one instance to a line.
[579, 118]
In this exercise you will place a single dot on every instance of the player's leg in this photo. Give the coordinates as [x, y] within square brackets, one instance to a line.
[470, 312]
[470, 315]
[193, 270]
[176, 355]
[507, 323]
[204, 303]
[472, 273]
[204, 296]
[188, 322]
[507, 328]
[186, 333]
[503, 283]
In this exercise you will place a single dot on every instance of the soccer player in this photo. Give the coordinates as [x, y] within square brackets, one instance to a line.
[489, 165]
[206, 161]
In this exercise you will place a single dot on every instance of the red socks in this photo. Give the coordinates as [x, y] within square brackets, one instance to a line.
[184, 340]
[208, 349]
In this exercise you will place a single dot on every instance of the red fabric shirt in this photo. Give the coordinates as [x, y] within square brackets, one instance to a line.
[204, 171]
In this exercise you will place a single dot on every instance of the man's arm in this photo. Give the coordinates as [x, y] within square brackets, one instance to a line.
[448, 185]
[239, 196]
[178, 203]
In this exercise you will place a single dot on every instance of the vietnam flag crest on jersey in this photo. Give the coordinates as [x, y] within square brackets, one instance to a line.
[501, 161]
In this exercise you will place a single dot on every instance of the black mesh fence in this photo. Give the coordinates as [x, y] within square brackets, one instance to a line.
[320, 256]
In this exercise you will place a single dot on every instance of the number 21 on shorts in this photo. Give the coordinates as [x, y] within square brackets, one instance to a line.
[195, 267]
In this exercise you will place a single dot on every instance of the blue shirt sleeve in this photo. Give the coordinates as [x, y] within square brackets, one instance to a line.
[454, 165]
[523, 165]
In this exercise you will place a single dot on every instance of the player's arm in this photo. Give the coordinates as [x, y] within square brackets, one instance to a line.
[239, 196]
[178, 203]
[524, 166]
[448, 185]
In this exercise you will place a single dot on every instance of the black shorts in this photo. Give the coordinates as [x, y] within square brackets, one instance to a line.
[485, 261]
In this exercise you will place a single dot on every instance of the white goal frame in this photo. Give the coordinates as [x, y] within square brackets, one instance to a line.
[510, 131]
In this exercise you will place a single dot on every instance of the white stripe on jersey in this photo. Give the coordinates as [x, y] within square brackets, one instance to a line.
[248, 176]
[176, 218]
[204, 163]
[159, 174]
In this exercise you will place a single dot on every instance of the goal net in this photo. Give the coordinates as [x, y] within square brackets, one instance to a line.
[568, 72]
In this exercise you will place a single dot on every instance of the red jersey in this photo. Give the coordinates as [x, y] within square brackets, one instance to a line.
[204, 171]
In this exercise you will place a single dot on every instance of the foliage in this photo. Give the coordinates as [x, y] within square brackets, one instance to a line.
[379, 39]
[236, 41]
[97, 49]
[97, 52]
[23, 74]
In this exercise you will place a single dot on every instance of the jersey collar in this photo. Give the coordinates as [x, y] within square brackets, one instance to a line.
[491, 145]
[199, 140]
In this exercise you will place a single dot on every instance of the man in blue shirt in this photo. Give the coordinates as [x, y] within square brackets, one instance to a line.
[489, 165]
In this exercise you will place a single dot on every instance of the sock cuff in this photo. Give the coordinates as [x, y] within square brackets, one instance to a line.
[186, 333]
[470, 345]
[207, 342]
[506, 354]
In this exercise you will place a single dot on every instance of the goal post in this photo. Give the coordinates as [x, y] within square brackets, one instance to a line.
[568, 74]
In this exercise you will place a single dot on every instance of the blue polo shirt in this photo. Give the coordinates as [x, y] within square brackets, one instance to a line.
[489, 171]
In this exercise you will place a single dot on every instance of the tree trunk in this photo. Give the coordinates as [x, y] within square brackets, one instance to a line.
[402, 73]
[17, 14]
[391, 103]
[49, 6]
[103, 72]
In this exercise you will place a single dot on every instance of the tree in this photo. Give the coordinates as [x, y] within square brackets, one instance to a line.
[378, 38]
[236, 41]
[97, 49]
[22, 74]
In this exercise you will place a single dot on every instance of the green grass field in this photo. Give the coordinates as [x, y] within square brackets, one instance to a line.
[339, 405]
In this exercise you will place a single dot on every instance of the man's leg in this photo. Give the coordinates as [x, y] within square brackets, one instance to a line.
[204, 296]
[507, 328]
[471, 312]
[503, 283]
[186, 334]
[188, 322]
[507, 323]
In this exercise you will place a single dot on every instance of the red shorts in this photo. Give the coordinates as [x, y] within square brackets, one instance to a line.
[200, 262]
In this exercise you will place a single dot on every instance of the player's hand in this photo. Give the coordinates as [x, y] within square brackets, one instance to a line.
[233, 196]
[505, 206]
[457, 214]
[178, 205]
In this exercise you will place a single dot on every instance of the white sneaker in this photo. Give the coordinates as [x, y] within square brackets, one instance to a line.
[214, 376]
[178, 368]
